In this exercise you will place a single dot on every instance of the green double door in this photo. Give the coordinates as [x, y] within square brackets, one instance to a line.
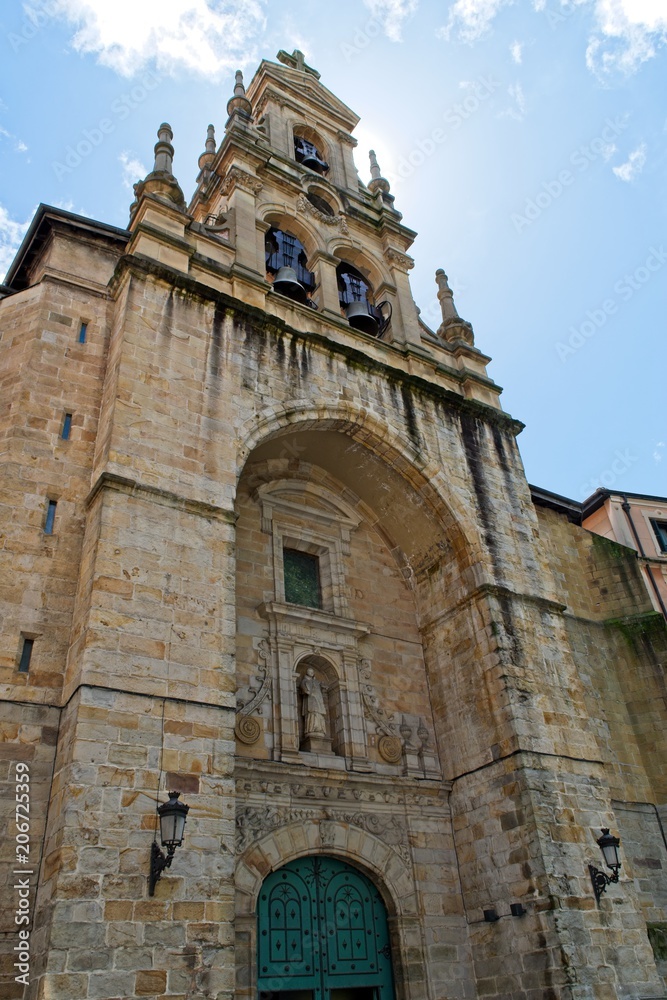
[322, 934]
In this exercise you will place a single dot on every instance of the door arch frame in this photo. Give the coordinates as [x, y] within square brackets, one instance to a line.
[358, 848]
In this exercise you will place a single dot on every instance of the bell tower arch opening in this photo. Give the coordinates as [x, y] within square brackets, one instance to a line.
[322, 934]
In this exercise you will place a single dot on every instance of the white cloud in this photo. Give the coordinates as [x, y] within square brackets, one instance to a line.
[19, 144]
[11, 234]
[628, 33]
[517, 110]
[392, 14]
[634, 164]
[657, 454]
[208, 37]
[516, 52]
[133, 169]
[472, 18]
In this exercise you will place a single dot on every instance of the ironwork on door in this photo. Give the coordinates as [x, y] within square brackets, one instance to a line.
[322, 934]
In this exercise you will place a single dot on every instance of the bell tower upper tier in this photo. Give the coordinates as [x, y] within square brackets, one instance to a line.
[281, 221]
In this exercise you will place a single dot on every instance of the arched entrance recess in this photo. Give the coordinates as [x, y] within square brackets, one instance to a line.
[322, 934]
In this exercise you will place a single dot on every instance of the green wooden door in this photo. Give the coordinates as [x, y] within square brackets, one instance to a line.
[322, 934]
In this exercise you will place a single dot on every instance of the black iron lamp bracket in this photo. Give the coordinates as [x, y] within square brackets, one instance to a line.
[159, 861]
[601, 880]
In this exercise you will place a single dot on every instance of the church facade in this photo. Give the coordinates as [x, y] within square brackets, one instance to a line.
[267, 541]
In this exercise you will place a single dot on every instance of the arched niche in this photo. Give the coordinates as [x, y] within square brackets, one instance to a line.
[318, 688]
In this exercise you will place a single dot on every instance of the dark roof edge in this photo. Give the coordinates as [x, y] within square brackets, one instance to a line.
[45, 213]
[572, 509]
[597, 499]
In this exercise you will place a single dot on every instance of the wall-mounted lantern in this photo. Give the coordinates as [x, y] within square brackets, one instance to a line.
[609, 847]
[172, 816]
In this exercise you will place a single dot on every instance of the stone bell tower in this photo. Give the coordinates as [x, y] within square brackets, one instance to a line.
[305, 586]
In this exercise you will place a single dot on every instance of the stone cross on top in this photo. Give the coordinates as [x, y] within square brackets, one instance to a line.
[297, 61]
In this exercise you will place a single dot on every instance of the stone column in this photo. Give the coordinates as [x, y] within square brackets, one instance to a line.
[324, 265]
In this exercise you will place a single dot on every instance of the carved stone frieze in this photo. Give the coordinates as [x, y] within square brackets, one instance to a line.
[254, 822]
[326, 794]
[306, 206]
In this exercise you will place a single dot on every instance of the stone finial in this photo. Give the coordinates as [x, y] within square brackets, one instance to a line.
[164, 151]
[445, 296]
[207, 157]
[161, 181]
[239, 103]
[453, 328]
[378, 182]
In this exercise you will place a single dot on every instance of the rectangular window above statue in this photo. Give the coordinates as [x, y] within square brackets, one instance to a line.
[302, 578]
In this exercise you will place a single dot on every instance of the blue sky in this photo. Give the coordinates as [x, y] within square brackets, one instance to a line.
[526, 142]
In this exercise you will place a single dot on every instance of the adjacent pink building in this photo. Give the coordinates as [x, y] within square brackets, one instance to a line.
[640, 522]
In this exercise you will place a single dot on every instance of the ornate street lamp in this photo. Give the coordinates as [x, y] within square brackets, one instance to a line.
[172, 821]
[609, 847]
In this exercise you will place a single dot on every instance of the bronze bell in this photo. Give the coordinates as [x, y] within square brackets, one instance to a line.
[360, 318]
[287, 283]
[313, 161]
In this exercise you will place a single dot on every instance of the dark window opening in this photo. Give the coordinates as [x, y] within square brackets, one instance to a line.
[302, 578]
[67, 427]
[357, 303]
[309, 155]
[83, 331]
[320, 203]
[26, 655]
[660, 529]
[50, 517]
[286, 268]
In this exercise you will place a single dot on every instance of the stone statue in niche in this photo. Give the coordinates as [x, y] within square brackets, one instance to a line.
[314, 714]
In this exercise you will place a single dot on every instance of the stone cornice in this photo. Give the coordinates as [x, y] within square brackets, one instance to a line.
[132, 487]
[494, 590]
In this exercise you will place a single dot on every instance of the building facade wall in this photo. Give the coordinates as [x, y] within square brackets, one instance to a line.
[494, 676]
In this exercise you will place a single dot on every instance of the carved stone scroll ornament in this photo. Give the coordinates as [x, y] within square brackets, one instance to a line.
[389, 745]
[247, 729]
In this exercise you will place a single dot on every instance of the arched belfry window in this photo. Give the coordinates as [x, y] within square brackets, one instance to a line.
[286, 269]
[357, 302]
[309, 155]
